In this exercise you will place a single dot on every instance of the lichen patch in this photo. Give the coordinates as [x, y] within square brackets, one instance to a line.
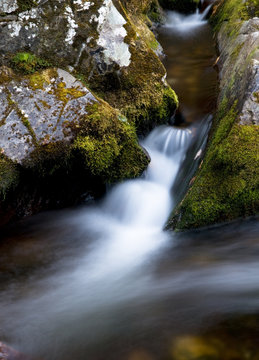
[112, 34]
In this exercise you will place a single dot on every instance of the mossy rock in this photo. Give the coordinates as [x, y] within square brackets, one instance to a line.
[233, 13]
[227, 185]
[108, 143]
[59, 141]
[27, 63]
[9, 176]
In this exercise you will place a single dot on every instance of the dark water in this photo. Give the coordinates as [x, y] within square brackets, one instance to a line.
[197, 291]
[106, 283]
[190, 55]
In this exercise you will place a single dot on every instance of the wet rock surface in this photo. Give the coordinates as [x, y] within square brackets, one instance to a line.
[226, 186]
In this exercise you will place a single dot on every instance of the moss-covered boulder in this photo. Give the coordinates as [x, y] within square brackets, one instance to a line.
[107, 43]
[55, 131]
[227, 184]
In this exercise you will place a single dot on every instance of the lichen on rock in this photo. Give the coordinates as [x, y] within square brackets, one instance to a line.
[108, 42]
[50, 124]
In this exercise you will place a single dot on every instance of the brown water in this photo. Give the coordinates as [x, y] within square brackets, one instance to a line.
[198, 291]
[105, 282]
[189, 58]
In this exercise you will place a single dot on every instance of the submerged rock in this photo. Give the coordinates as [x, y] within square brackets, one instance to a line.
[227, 185]
[234, 338]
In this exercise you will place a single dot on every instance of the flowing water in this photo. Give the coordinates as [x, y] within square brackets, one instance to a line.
[190, 54]
[106, 282]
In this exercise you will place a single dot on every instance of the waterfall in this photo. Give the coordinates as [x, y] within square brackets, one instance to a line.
[186, 23]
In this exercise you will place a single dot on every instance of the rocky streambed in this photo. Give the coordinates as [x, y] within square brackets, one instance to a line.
[106, 281]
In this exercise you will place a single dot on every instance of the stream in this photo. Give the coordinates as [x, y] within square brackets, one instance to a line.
[106, 282]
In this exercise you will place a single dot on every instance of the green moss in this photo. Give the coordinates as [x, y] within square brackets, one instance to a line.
[153, 44]
[99, 153]
[227, 185]
[139, 93]
[27, 63]
[108, 144]
[24, 5]
[154, 12]
[9, 175]
[64, 93]
[233, 13]
[138, 90]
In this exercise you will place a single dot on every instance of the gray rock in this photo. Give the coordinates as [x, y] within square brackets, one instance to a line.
[40, 109]
[68, 33]
[8, 6]
[240, 69]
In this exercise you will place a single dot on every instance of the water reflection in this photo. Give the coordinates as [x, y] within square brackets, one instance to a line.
[190, 54]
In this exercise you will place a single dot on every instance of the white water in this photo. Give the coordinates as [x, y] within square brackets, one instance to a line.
[134, 212]
[127, 229]
[186, 23]
[74, 301]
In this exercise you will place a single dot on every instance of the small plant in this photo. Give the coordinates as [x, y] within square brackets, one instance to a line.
[27, 63]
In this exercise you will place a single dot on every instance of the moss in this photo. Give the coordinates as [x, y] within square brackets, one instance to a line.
[46, 161]
[9, 175]
[24, 5]
[109, 145]
[233, 12]
[153, 44]
[27, 63]
[154, 12]
[99, 153]
[139, 92]
[227, 185]
[138, 89]
[63, 93]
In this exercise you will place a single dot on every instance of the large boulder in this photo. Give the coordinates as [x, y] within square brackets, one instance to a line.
[110, 46]
[54, 131]
[79, 79]
[227, 184]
